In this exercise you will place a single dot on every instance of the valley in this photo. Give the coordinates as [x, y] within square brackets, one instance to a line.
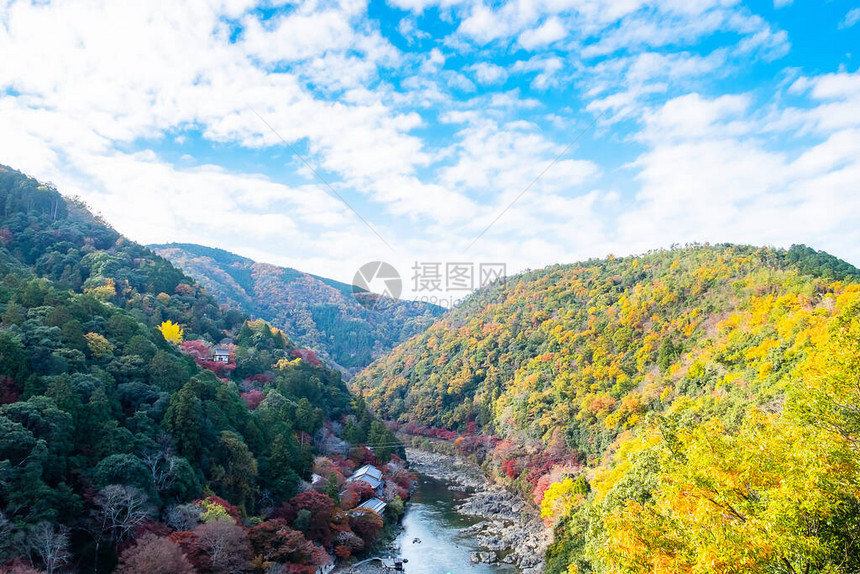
[683, 410]
[321, 314]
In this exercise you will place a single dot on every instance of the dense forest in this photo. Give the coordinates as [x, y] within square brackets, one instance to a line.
[319, 313]
[687, 410]
[128, 444]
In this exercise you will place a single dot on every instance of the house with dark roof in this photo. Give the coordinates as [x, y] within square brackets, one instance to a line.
[370, 475]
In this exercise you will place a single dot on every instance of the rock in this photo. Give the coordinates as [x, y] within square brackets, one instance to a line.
[494, 543]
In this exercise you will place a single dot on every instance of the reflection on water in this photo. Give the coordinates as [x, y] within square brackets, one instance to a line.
[431, 518]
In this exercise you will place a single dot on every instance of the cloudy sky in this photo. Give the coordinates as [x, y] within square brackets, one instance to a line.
[631, 124]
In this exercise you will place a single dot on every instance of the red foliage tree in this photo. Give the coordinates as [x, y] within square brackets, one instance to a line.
[190, 546]
[217, 367]
[540, 488]
[257, 381]
[307, 355]
[325, 467]
[403, 478]
[350, 541]
[273, 541]
[8, 391]
[364, 490]
[253, 399]
[225, 545]
[154, 555]
[362, 455]
[321, 508]
[197, 348]
[510, 468]
[365, 523]
[345, 465]
[262, 378]
[349, 498]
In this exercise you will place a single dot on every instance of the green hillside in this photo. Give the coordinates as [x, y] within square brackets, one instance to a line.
[689, 410]
[117, 424]
[319, 313]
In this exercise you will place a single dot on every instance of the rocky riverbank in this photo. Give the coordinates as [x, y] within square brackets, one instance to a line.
[511, 531]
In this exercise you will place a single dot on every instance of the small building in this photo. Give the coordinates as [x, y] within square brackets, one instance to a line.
[318, 482]
[371, 475]
[221, 356]
[373, 504]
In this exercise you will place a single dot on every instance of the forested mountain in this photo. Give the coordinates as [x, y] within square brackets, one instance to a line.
[688, 410]
[316, 312]
[123, 435]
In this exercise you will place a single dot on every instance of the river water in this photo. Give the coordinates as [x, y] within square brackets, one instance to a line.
[431, 518]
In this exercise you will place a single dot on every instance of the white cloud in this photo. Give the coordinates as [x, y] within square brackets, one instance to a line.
[547, 68]
[851, 18]
[484, 25]
[693, 117]
[550, 31]
[488, 74]
[770, 45]
[504, 158]
[409, 30]
[433, 141]
[629, 82]
[707, 177]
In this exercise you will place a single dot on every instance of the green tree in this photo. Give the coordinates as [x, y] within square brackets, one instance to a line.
[124, 469]
[183, 421]
[234, 475]
[332, 489]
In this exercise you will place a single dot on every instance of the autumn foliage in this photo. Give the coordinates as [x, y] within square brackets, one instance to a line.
[171, 332]
[681, 411]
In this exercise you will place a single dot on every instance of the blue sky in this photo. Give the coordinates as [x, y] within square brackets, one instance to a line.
[690, 121]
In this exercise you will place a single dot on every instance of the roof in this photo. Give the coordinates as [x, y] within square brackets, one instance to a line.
[373, 504]
[368, 470]
[222, 352]
[373, 482]
[369, 474]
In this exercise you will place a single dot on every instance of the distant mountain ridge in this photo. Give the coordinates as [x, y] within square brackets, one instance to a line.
[318, 312]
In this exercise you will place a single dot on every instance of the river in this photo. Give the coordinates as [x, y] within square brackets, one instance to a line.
[458, 515]
[431, 518]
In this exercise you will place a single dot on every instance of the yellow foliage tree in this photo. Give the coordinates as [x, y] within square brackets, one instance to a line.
[287, 363]
[748, 501]
[171, 332]
[99, 346]
[104, 292]
[560, 498]
[212, 511]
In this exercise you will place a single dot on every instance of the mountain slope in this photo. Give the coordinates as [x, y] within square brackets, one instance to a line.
[606, 381]
[319, 313]
[117, 423]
